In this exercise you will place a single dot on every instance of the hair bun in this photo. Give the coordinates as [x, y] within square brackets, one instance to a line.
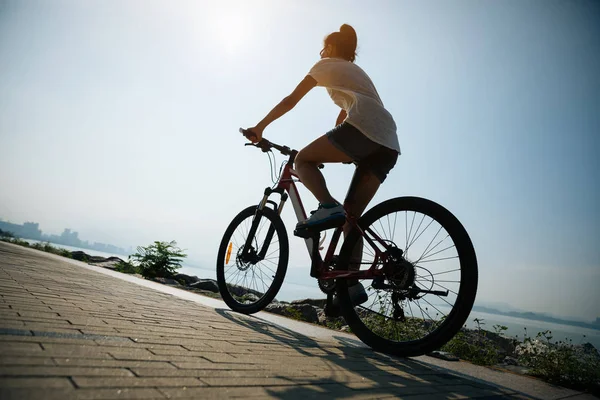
[344, 41]
[348, 32]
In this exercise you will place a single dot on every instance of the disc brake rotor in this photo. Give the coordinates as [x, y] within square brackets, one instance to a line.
[244, 262]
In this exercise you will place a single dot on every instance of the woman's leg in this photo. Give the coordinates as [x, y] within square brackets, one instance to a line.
[362, 189]
[318, 152]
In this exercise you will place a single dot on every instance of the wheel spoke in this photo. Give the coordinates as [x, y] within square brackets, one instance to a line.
[438, 259]
[424, 230]
[263, 281]
[427, 248]
[267, 267]
[437, 252]
[409, 233]
[422, 298]
[446, 272]
[394, 234]
[410, 308]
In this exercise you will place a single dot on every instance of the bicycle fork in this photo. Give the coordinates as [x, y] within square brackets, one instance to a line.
[247, 250]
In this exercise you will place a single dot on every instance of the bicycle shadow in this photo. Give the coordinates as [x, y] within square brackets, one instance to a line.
[354, 370]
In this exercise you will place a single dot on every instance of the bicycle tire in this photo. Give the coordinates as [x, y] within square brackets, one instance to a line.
[273, 289]
[468, 284]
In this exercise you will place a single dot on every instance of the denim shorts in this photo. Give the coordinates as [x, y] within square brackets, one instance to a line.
[364, 152]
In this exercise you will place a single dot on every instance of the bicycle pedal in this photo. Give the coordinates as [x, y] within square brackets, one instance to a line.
[304, 233]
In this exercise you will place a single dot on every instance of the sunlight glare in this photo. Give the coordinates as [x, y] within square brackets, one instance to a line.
[232, 32]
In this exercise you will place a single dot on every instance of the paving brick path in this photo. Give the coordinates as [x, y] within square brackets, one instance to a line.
[70, 333]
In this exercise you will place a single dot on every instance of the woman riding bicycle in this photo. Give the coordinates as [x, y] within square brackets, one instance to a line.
[365, 134]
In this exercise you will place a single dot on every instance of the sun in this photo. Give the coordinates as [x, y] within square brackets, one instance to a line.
[232, 32]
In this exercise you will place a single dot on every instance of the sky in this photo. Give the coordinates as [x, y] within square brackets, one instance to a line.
[119, 120]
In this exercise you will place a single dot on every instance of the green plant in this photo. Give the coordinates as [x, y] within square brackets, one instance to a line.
[20, 242]
[64, 253]
[293, 313]
[334, 322]
[6, 234]
[15, 240]
[561, 362]
[159, 260]
[126, 267]
[475, 346]
[38, 246]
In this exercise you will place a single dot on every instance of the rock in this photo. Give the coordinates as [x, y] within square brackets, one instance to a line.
[277, 308]
[319, 303]
[206, 293]
[206, 284]
[506, 344]
[517, 369]
[167, 281]
[345, 328]
[588, 348]
[186, 278]
[443, 355]
[330, 322]
[80, 256]
[250, 298]
[510, 361]
[241, 291]
[321, 317]
[109, 262]
[303, 312]
[309, 312]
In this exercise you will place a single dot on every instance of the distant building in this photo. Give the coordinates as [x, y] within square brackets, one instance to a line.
[29, 230]
[32, 229]
[70, 238]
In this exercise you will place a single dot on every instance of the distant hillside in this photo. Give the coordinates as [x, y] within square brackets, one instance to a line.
[539, 317]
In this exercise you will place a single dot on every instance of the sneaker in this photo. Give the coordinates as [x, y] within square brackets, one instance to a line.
[327, 216]
[358, 295]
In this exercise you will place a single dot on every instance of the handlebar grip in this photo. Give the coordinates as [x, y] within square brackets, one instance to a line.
[247, 133]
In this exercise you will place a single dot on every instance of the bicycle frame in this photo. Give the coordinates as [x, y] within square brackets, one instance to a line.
[286, 187]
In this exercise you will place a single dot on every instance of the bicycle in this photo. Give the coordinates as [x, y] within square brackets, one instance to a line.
[252, 261]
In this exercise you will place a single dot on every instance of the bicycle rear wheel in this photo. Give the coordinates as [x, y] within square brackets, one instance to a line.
[429, 280]
[249, 281]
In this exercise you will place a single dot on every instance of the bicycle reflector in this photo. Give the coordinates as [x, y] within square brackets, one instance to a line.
[228, 253]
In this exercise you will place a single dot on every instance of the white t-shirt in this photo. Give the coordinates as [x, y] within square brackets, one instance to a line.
[351, 89]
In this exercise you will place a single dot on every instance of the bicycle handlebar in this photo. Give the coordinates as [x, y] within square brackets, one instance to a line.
[265, 145]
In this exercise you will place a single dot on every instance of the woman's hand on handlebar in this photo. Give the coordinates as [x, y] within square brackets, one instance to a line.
[254, 134]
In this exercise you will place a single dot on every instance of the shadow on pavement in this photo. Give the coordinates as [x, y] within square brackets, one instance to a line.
[354, 371]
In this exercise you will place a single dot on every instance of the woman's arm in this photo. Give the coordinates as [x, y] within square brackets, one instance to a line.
[285, 105]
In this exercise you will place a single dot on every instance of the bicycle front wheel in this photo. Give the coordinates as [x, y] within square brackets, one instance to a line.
[252, 260]
[429, 277]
